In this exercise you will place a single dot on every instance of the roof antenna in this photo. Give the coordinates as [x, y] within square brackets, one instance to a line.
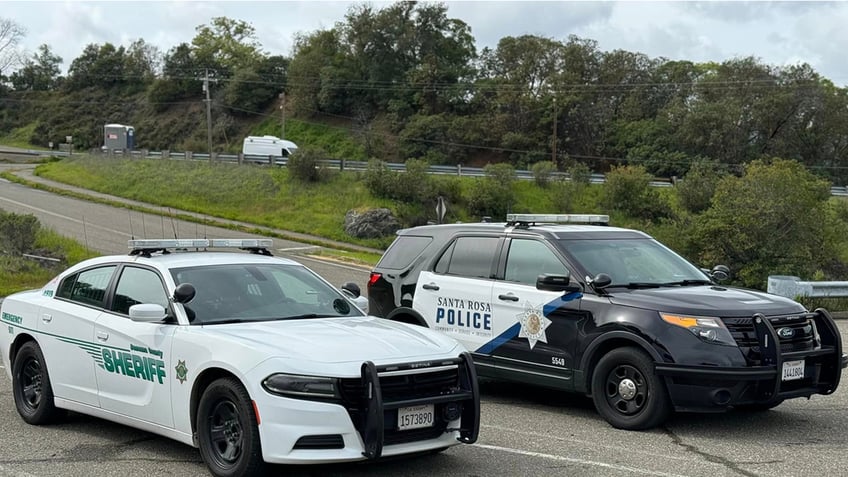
[84, 233]
[132, 234]
[173, 225]
[143, 229]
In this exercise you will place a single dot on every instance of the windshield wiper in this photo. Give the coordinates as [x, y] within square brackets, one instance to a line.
[635, 285]
[685, 283]
[227, 322]
[309, 315]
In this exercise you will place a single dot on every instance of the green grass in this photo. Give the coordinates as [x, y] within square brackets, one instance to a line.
[337, 141]
[19, 273]
[257, 195]
[19, 137]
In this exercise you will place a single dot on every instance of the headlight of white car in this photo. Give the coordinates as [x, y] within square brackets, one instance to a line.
[294, 385]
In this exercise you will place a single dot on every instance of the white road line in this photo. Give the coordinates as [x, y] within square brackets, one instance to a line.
[591, 444]
[572, 460]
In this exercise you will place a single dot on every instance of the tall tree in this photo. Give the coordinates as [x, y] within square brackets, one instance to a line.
[11, 34]
[39, 73]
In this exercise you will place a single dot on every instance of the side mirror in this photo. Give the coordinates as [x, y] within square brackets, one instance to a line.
[184, 293]
[601, 281]
[720, 273]
[147, 313]
[556, 283]
[351, 289]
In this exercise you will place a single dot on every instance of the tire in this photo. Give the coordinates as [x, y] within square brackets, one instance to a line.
[31, 386]
[627, 393]
[227, 433]
[759, 407]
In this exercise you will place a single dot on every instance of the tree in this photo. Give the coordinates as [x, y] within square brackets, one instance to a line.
[39, 73]
[97, 66]
[770, 221]
[10, 36]
[226, 45]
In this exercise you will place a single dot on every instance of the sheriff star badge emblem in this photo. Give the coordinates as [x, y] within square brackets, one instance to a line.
[533, 324]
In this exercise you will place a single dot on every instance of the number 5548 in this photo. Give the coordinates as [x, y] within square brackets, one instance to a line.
[558, 361]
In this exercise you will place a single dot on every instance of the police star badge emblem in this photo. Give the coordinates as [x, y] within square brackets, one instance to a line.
[533, 324]
[182, 371]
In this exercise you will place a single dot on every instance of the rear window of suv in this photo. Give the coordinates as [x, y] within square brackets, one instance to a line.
[403, 251]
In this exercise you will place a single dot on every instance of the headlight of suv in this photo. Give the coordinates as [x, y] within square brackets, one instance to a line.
[292, 385]
[708, 329]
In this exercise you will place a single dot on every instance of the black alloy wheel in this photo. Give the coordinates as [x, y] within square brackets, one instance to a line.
[626, 392]
[32, 391]
[227, 430]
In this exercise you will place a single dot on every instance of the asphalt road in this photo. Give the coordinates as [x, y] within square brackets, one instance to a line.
[526, 430]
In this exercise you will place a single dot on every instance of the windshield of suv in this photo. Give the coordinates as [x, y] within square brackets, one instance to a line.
[633, 262]
[236, 293]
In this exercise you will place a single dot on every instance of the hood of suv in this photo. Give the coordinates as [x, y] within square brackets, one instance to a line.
[706, 300]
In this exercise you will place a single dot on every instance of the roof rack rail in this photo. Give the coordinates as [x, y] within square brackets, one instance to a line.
[145, 247]
[524, 220]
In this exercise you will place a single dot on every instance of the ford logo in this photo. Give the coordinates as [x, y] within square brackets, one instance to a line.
[786, 333]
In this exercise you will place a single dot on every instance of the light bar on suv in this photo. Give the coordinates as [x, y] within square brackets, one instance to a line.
[167, 243]
[557, 219]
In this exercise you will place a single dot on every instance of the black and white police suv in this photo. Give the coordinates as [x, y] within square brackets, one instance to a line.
[563, 302]
[252, 358]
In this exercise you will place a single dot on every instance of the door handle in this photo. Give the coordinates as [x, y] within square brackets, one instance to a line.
[47, 318]
[102, 335]
[430, 286]
[509, 297]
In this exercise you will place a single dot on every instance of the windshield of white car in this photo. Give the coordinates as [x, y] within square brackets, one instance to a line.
[633, 262]
[241, 293]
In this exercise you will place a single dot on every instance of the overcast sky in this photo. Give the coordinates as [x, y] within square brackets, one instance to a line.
[778, 33]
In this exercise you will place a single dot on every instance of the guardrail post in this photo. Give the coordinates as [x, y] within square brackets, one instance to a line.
[270, 160]
[459, 169]
[342, 165]
[166, 154]
[188, 155]
[145, 153]
[240, 158]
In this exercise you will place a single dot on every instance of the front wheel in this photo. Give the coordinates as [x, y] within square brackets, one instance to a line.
[31, 386]
[627, 393]
[227, 430]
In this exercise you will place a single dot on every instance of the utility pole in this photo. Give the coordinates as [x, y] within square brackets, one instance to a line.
[554, 148]
[208, 102]
[283, 116]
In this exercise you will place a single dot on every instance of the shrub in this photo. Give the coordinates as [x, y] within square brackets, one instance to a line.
[542, 172]
[628, 190]
[492, 195]
[18, 232]
[580, 173]
[697, 188]
[304, 165]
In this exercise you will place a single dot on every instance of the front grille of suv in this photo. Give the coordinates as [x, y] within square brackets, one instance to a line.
[803, 333]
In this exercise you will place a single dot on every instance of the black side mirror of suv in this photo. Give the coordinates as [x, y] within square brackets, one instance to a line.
[549, 282]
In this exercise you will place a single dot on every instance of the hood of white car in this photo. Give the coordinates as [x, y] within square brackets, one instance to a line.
[336, 340]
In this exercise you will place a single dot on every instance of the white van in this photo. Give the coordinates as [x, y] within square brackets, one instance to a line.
[268, 146]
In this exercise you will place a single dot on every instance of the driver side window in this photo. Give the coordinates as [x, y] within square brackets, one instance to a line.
[527, 259]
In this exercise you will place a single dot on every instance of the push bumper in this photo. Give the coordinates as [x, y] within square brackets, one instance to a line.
[376, 408]
[778, 377]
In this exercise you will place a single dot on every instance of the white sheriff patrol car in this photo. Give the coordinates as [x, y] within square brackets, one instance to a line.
[251, 358]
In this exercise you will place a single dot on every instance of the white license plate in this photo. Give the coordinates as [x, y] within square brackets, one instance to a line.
[415, 417]
[793, 370]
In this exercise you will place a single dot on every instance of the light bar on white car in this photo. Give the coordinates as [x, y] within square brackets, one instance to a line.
[557, 218]
[167, 243]
[149, 244]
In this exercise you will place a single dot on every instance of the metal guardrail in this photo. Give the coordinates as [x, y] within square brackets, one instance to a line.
[792, 287]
